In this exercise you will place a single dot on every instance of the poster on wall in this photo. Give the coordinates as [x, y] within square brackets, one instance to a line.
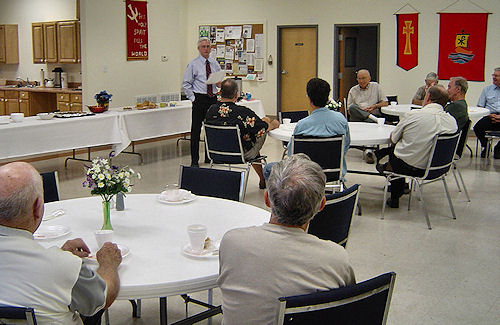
[407, 40]
[462, 45]
[136, 17]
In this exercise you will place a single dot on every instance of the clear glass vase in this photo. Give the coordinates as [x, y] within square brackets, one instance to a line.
[106, 216]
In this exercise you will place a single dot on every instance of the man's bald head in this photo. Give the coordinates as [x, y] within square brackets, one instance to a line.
[363, 77]
[21, 191]
[438, 94]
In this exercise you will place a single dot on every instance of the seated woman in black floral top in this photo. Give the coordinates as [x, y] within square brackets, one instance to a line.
[253, 129]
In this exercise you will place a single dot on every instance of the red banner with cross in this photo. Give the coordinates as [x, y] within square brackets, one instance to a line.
[136, 15]
[407, 40]
[462, 44]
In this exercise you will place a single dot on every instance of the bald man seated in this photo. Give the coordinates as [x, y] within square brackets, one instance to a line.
[55, 282]
[365, 98]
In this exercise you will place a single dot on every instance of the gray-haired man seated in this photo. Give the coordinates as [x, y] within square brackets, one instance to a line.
[260, 264]
[54, 281]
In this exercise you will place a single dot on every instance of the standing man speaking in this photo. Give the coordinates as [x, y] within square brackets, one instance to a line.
[199, 93]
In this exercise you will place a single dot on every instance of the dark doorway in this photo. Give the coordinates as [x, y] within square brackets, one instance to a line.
[355, 47]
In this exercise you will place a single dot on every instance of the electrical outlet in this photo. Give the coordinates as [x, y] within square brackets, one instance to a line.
[164, 58]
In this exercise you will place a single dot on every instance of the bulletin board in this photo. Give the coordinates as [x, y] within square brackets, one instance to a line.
[239, 49]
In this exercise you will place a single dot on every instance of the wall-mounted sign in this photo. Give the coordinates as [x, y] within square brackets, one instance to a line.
[136, 16]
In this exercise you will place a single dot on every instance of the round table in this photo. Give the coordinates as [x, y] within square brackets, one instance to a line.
[155, 234]
[475, 112]
[362, 133]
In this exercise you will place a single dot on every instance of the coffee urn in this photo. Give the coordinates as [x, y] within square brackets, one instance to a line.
[57, 77]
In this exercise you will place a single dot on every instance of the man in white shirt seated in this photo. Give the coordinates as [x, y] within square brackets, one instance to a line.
[260, 264]
[55, 282]
[413, 137]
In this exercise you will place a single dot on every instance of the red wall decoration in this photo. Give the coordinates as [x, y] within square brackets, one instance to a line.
[462, 44]
[407, 40]
[136, 16]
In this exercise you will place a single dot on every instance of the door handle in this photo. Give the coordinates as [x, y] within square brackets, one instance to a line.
[284, 72]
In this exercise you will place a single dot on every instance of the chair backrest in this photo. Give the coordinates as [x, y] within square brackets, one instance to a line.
[442, 155]
[295, 116]
[463, 139]
[326, 152]
[223, 144]
[392, 99]
[366, 302]
[50, 186]
[17, 313]
[334, 221]
[225, 184]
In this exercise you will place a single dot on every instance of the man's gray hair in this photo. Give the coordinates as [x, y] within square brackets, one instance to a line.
[20, 202]
[431, 76]
[296, 187]
[202, 39]
[497, 69]
[462, 83]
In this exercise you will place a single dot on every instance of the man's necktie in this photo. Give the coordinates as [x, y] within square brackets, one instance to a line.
[210, 92]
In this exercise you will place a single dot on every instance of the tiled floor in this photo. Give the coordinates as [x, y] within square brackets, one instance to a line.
[447, 275]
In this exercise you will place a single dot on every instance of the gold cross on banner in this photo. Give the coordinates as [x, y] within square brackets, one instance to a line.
[408, 30]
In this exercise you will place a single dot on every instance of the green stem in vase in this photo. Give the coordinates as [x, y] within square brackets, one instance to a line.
[106, 214]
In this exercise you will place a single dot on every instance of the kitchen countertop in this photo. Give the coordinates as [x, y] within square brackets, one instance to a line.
[43, 89]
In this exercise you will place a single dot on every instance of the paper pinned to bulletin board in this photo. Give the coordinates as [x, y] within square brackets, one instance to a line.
[239, 49]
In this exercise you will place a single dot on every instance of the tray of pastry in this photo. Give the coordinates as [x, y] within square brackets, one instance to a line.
[69, 114]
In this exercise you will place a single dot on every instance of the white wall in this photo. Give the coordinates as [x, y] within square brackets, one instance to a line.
[104, 56]
[23, 13]
[325, 14]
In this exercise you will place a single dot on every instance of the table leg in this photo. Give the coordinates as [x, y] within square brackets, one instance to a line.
[163, 310]
[209, 300]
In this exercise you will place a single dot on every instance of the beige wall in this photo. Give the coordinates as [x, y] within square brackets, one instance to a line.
[327, 13]
[23, 13]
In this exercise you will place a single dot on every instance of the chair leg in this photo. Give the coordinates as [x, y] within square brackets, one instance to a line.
[106, 317]
[409, 194]
[385, 197]
[463, 185]
[210, 295]
[449, 198]
[422, 204]
[470, 149]
[358, 205]
[455, 177]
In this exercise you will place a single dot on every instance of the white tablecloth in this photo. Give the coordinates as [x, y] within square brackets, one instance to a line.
[475, 113]
[362, 134]
[155, 234]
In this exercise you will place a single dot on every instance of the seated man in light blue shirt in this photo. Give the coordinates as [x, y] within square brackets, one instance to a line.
[322, 122]
[490, 99]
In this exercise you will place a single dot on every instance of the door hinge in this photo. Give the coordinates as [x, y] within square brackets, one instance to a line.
[339, 76]
[341, 37]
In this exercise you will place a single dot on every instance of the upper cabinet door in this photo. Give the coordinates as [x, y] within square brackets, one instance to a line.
[38, 42]
[67, 41]
[2, 44]
[50, 40]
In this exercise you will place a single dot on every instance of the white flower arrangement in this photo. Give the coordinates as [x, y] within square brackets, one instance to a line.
[333, 105]
[106, 180]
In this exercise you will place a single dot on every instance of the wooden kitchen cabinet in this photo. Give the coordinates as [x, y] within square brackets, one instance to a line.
[9, 44]
[37, 37]
[2, 102]
[69, 102]
[50, 42]
[24, 103]
[67, 38]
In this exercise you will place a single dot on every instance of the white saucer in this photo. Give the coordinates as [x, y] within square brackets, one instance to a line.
[51, 232]
[211, 252]
[123, 249]
[188, 197]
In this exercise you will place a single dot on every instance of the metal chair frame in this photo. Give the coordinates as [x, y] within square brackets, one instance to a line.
[239, 156]
[18, 313]
[424, 180]
[461, 145]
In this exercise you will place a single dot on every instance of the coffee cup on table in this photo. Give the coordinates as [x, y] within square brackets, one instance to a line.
[197, 234]
[394, 104]
[380, 121]
[103, 236]
[4, 119]
[287, 120]
[172, 193]
[17, 117]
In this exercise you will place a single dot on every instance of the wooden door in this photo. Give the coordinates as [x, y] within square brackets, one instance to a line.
[38, 42]
[24, 106]
[2, 102]
[298, 49]
[11, 106]
[50, 40]
[347, 60]
[2, 44]
[66, 42]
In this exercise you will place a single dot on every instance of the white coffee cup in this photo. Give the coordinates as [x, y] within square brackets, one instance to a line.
[287, 120]
[380, 121]
[103, 236]
[394, 104]
[197, 234]
[17, 117]
[172, 193]
[4, 119]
